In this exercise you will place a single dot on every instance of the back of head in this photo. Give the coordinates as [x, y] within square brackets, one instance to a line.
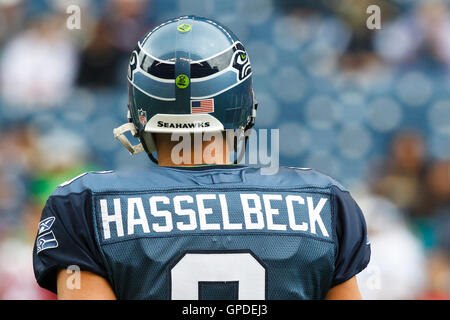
[187, 75]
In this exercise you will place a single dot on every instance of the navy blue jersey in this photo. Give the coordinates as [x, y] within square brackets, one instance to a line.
[208, 232]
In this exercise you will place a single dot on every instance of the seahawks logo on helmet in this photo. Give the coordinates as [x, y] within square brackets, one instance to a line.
[241, 63]
[132, 65]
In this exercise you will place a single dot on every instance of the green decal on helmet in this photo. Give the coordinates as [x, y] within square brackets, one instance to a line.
[182, 81]
[185, 27]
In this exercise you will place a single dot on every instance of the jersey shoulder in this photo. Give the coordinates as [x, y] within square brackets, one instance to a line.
[292, 177]
[124, 181]
[81, 183]
[173, 178]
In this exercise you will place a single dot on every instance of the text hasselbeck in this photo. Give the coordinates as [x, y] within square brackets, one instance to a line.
[125, 216]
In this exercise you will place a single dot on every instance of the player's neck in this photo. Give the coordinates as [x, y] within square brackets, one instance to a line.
[170, 154]
[166, 161]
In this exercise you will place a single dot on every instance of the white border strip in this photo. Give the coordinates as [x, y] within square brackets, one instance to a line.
[217, 93]
[195, 61]
[150, 95]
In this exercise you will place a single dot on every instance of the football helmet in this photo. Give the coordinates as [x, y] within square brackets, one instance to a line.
[187, 75]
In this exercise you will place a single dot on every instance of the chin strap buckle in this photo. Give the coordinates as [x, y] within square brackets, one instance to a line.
[119, 134]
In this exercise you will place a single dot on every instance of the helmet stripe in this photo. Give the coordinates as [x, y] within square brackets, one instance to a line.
[183, 65]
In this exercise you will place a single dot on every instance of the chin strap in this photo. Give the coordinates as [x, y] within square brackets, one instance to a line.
[252, 120]
[249, 126]
[152, 158]
[119, 134]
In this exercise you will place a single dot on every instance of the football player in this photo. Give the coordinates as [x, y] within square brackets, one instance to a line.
[211, 231]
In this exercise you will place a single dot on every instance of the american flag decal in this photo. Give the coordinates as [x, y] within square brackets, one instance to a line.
[202, 106]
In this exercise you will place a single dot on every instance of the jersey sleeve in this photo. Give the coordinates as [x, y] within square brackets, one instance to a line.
[66, 238]
[353, 247]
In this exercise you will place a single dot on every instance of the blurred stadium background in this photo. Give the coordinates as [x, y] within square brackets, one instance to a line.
[368, 107]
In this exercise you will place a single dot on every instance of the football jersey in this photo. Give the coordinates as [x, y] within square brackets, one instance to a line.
[205, 232]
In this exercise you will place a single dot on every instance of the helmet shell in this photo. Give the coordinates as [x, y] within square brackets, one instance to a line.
[192, 67]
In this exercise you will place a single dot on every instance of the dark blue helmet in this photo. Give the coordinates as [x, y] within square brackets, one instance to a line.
[187, 75]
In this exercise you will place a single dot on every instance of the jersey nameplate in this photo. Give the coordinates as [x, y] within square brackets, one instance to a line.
[121, 216]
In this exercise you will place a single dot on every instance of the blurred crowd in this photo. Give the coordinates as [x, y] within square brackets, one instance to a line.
[408, 216]
[53, 80]
[41, 63]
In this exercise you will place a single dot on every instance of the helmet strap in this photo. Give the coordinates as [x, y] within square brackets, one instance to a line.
[144, 140]
[250, 124]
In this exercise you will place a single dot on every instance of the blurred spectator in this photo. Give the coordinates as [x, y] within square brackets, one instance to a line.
[438, 180]
[58, 160]
[18, 147]
[354, 14]
[12, 195]
[103, 61]
[423, 32]
[128, 21]
[438, 186]
[403, 178]
[12, 16]
[397, 268]
[443, 231]
[38, 66]
[17, 155]
[438, 274]
[434, 18]
[100, 60]
[16, 264]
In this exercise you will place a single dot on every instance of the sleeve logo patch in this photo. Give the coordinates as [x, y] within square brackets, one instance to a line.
[46, 241]
[46, 224]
